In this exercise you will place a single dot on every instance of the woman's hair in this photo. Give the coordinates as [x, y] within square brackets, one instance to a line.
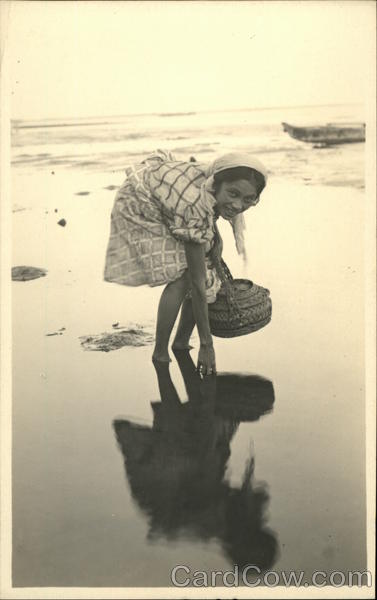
[236, 173]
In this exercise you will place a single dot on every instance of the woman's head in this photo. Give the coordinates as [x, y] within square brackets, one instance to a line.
[236, 189]
[243, 397]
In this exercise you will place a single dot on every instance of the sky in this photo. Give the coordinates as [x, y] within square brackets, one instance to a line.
[77, 59]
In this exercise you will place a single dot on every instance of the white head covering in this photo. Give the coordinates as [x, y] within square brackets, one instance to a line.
[231, 161]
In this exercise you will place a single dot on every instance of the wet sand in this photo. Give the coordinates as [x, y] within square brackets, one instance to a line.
[76, 522]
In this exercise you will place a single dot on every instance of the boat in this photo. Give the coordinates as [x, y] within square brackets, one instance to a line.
[329, 134]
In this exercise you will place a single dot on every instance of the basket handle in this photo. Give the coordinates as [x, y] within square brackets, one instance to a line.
[220, 265]
[226, 278]
[222, 270]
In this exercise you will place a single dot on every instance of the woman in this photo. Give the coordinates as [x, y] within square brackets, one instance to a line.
[163, 231]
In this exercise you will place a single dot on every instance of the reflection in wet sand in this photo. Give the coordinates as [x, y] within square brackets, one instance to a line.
[177, 469]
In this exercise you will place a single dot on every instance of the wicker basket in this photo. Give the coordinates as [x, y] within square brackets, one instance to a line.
[241, 306]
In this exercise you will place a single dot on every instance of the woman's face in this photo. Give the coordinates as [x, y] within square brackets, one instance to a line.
[233, 197]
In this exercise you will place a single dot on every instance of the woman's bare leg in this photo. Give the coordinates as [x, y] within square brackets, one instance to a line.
[185, 327]
[168, 308]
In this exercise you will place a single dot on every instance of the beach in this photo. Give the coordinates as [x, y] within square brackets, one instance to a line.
[76, 519]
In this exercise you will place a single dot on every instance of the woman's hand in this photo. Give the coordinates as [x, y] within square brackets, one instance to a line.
[206, 360]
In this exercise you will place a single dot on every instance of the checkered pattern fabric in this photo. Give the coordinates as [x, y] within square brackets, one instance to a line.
[159, 207]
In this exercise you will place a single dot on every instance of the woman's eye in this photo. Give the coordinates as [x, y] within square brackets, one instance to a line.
[232, 194]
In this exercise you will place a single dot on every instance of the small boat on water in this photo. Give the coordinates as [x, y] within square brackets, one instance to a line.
[329, 134]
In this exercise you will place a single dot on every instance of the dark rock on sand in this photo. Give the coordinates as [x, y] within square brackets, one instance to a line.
[62, 222]
[27, 273]
[82, 193]
[105, 342]
[111, 187]
[58, 332]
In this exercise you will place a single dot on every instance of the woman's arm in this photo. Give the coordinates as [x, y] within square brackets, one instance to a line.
[195, 256]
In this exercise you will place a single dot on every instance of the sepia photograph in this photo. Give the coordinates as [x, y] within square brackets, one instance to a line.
[188, 266]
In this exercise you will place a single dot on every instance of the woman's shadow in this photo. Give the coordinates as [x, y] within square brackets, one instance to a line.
[176, 468]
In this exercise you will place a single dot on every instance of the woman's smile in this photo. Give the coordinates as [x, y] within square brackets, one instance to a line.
[230, 212]
[234, 197]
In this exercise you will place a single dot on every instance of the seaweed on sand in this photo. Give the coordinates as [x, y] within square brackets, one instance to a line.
[125, 336]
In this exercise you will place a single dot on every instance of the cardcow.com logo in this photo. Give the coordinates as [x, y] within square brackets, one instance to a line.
[252, 576]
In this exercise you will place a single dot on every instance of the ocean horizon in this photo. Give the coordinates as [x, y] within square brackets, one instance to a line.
[175, 113]
[110, 143]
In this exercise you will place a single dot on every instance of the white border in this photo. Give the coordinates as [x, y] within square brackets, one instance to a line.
[6, 590]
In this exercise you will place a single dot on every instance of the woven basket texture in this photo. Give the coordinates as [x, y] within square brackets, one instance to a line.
[241, 306]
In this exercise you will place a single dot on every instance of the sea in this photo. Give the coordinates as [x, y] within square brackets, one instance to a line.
[112, 143]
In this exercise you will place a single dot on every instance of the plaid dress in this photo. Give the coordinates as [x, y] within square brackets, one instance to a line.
[160, 206]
